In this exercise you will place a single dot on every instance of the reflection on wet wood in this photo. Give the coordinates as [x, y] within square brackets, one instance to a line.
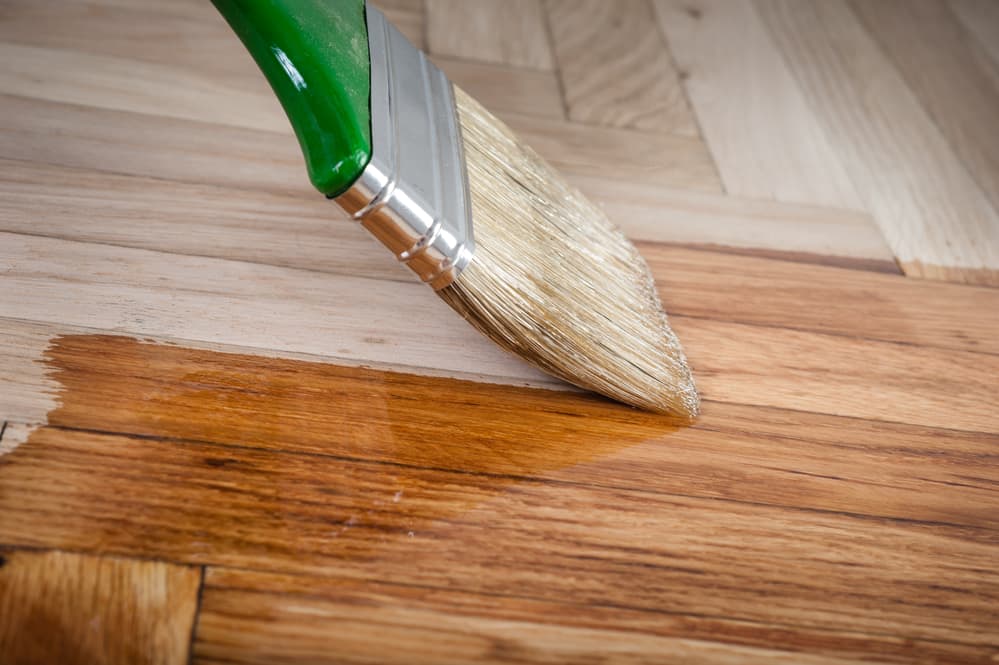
[588, 517]
[57, 607]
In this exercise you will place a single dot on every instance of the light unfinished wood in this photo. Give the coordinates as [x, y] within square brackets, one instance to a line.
[932, 50]
[408, 17]
[662, 160]
[506, 32]
[501, 88]
[198, 152]
[765, 140]
[931, 211]
[57, 607]
[106, 141]
[307, 232]
[876, 380]
[75, 77]
[615, 68]
[29, 392]
[273, 309]
[676, 215]
[185, 35]
[824, 299]
[291, 233]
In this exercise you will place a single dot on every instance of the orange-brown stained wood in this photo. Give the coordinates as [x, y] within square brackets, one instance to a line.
[59, 607]
[267, 618]
[756, 528]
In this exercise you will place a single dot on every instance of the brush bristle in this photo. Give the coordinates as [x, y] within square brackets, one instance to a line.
[554, 281]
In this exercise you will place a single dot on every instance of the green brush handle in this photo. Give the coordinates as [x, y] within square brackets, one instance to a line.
[314, 53]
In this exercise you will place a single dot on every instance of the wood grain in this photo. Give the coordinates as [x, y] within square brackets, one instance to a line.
[203, 365]
[678, 215]
[938, 61]
[506, 32]
[408, 17]
[931, 211]
[272, 309]
[659, 160]
[398, 514]
[57, 607]
[615, 68]
[825, 299]
[183, 35]
[204, 153]
[833, 462]
[500, 88]
[444, 626]
[307, 232]
[280, 310]
[122, 84]
[105, 141]
[764, 138]
[330, 513]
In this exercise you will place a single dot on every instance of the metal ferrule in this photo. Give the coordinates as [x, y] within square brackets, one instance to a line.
[413, 194]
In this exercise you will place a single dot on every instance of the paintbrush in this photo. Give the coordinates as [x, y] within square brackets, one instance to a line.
[475, 213]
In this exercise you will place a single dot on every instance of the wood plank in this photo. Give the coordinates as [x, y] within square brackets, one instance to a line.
[568, 544]
[764, 138]
[937, 59]
[28, 392]
[615, 68]
[185, 35]
[135, 144]
[251, 617]
[733, 453]
[506, 32]
[305, 231]
[932, 213]
[676, 215]
[125, 84]
[297, 233]
[69, 608]
[501, 88]
[408, 17]
[271, 309]
[830, 374]
[824, 299]
[661, 160]
[197, 152]
[281, 310]
[190, 36]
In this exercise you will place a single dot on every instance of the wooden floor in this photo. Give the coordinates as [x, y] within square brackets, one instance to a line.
[221, 441]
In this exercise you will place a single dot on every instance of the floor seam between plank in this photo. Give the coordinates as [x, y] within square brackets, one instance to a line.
[197, 615]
